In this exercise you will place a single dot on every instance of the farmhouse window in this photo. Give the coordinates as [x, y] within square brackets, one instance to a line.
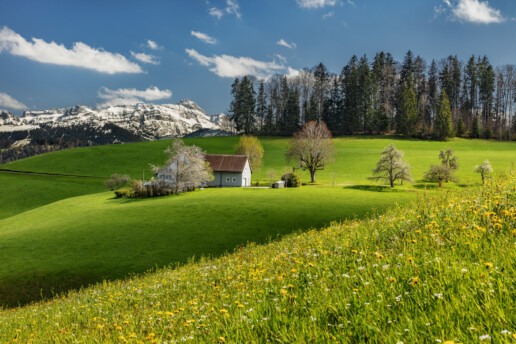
[227, 179]
[234, 179]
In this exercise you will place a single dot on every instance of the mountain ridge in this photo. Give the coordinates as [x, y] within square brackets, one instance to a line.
[141, 122]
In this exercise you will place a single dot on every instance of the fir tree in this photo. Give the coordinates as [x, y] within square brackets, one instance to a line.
[461, 128]
[406, 117]
[475, 128]
[261, 106]
[443, 126]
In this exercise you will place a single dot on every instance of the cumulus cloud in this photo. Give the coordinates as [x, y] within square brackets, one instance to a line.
[232, 67]
[232, 7]
[316, 3]
[81, 55]
[7, 101]
[145, 58]
[285, 44]
[153, 45]
[203, 37]
[472, 11]
[130, 96]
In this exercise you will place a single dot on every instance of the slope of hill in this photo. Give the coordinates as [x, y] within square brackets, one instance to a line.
[82, 240]
[355, 158]
[440, 270]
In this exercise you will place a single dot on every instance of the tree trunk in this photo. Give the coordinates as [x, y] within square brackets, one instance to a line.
[312, 175]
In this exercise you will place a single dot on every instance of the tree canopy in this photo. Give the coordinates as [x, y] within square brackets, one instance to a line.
[312, 147]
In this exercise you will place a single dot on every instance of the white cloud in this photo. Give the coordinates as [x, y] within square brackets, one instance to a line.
[215, 12]
[81, 55]
[328, 15]
[11, 103]
[473, 11]
[232, 7]
[232, 67]
[130, 96]
[145, 58]
[203, 37]
[285, 44]
[316, 3]
[153, 45]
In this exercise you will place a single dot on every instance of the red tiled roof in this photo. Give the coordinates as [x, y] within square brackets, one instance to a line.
[226, 163]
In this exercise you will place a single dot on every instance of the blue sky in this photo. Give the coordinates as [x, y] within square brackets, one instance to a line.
[96, 53]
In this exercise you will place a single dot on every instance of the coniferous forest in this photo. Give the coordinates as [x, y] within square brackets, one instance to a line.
[438, 100]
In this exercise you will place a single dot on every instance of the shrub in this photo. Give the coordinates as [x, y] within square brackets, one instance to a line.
[124, 193]
[116, 181]
[292, 180]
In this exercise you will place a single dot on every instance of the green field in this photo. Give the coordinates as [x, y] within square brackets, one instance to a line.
[440, 270]
[356, 156]
[86, 239]
[51, 240]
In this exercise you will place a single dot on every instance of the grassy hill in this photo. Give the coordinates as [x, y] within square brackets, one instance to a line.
[356, 156]
[86, 239]
[51, 240]
[439, 270]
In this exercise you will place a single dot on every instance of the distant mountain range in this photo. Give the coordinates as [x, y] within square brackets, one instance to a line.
[115, 124]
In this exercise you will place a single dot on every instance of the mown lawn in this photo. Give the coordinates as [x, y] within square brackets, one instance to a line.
[85, 239]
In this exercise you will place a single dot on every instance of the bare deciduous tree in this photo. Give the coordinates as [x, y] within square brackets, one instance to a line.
[312, 146]
[186, 167]
[440, 173]
[391, 167]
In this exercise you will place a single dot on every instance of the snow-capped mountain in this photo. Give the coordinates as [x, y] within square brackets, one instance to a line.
[142, 121]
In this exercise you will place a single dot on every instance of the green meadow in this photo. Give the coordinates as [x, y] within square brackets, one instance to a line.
[439, 270]
[61, 232]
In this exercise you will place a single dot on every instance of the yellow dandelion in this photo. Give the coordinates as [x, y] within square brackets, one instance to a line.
[414, 281]
[223, 310]
[410, 259]
[488, 265]
[222, 339]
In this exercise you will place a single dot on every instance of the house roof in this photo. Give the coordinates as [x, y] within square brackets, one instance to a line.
[226, 163]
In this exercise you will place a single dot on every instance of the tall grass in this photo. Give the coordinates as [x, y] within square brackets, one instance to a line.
[440, 270]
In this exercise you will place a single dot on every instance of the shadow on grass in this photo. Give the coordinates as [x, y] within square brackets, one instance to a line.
[374, 188]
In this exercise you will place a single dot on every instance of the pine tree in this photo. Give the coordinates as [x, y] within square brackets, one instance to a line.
[321, 77]
[475, 128]
[292, 112]
[350, 86]
[261, 106]
[406, 117]
[461, 128]
[365, 90]
[333, 107]
[242, 108]
[443, 126]
[433, 92]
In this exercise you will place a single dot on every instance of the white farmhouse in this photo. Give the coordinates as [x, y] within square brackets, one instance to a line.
[228, 171]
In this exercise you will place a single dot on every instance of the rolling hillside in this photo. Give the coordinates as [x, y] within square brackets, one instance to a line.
[439, 270]
[54, 241]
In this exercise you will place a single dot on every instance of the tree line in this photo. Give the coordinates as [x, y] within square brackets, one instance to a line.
[448, 98]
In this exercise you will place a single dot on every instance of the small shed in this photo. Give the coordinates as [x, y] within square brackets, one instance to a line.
[229, 170]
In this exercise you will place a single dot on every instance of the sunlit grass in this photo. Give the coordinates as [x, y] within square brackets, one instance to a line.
[441, 269]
